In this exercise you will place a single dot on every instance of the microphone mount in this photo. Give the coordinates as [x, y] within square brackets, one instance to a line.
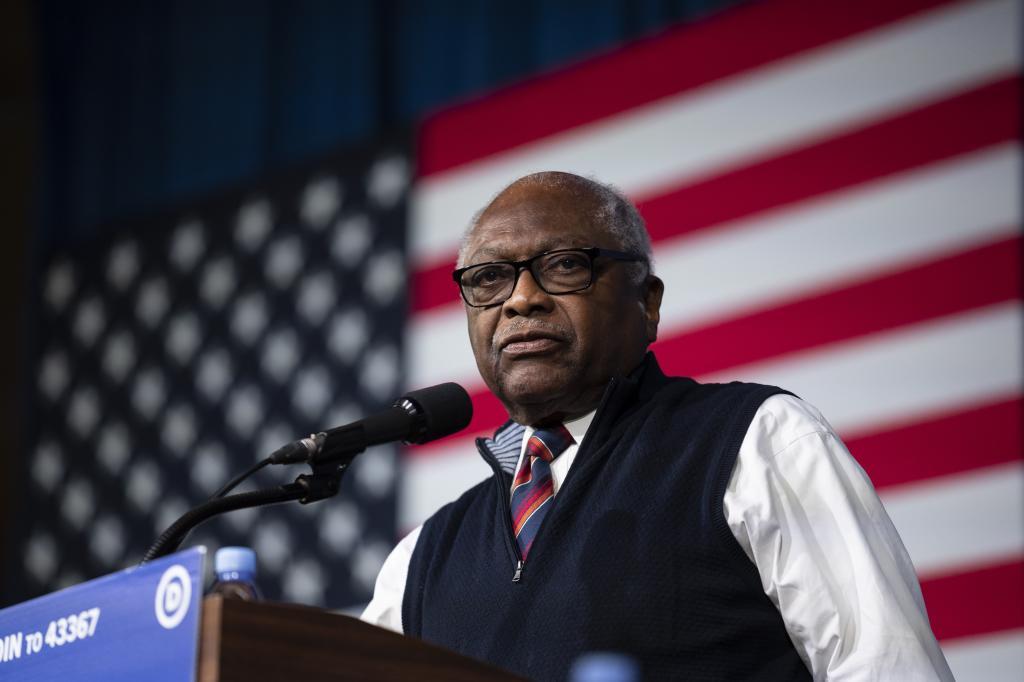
[416, 417]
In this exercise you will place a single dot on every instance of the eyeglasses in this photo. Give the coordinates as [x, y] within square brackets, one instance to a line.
[557, 272]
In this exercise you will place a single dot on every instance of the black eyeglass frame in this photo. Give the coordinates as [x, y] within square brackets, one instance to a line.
[591, 252]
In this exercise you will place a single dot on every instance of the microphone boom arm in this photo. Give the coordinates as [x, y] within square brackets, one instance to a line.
[322, 483]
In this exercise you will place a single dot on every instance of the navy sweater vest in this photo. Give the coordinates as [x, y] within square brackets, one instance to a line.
[635, 554]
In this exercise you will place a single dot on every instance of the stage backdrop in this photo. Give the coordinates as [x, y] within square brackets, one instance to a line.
[177, 353]
[834, 194]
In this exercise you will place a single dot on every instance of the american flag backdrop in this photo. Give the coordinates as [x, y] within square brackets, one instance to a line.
[834, 194]
[175, 354]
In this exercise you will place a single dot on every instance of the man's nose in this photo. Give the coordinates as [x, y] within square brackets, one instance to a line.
[527, 296]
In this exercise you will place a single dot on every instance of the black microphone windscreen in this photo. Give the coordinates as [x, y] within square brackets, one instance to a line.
[445, 409]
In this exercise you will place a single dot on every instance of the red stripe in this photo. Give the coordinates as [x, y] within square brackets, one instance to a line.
[967, 280]
[681, 59]
[971, 279]
[524, 475]
[977, 602]
[538, 448]
[982, 117]
[537, 497]
[973, 120]
[949, 444]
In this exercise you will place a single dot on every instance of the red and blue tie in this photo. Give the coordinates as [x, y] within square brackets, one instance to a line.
[532, 489]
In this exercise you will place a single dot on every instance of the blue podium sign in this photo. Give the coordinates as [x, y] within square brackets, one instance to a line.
[139, 624]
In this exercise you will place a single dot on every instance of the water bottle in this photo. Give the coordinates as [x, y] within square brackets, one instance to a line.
[604, 666]
[236, 574]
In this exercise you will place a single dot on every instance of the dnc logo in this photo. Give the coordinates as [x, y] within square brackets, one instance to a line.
[173, 596]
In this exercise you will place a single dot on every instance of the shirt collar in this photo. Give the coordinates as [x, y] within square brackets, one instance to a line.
[577, 427]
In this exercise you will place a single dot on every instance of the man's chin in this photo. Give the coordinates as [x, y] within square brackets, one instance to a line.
[534, 386]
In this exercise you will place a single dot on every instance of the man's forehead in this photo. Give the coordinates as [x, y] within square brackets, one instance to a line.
[519, 245]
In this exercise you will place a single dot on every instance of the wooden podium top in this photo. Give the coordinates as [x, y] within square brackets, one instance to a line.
[264, 641]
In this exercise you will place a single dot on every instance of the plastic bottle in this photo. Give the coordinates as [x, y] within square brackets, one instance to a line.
[604, 666]
[236, 574]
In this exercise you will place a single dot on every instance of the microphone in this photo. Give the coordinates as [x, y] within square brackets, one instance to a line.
[416, 417]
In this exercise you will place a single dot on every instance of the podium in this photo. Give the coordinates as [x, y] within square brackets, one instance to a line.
[150, 623]
[265, 641]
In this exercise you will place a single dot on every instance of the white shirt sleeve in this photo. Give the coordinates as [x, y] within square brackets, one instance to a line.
[385, 609]
[829, 557]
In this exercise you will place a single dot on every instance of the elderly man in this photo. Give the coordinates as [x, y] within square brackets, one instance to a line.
[712, 531]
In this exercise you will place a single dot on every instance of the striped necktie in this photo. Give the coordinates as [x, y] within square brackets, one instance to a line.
[532, 489]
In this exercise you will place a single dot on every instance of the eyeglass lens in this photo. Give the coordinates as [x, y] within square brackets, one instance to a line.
[556, 273]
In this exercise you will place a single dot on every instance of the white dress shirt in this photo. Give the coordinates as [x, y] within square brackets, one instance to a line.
[807, 516]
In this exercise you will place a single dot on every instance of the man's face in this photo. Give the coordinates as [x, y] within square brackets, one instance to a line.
[549, 357]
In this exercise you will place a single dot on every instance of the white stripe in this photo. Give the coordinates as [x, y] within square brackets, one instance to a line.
[846, 235]
[957, 522]
[968, 201]
[907, 373]
[429, 482]
[998, 657]
[897, 376]
[757, 113]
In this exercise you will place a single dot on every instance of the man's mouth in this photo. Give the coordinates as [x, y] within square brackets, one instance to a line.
[529, 343]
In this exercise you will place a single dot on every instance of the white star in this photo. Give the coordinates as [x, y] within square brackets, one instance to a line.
[119, 355]
[187, 244]
[214, 373]
[152, 302]
[106, 540]
[283, 261]
[255, 218]
[379, 371]
[41, 556]
[340, 527]
[317, 297]
[249, 318]
[311, 391]
[245, 410]
[375, 472]
[54, 375]
[209, 468]
[183, 337]
[48, 465]
[179, 429]
[84, 410]
[366, 562]
[320, 201]
[348, 334]
[144, 485]
[385, 277]
[78, 503]
[388, 180]
[280, 354]
[272, 542]
[123, 265]
[60, 285]
[218, 282]
[149, 393]
[304, 582]
[89, 321]
[352, 237]
[114, 446]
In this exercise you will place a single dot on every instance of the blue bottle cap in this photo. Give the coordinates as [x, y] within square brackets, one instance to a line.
[234, 560]
[604, 666]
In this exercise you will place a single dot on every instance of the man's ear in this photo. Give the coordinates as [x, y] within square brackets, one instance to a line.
[653, 289]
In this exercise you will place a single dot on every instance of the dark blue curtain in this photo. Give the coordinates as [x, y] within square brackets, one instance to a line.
[145, 104]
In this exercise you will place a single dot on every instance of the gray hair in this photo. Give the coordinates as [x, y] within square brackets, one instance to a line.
[613, 210]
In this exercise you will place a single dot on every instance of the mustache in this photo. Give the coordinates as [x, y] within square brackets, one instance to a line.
[555, 331]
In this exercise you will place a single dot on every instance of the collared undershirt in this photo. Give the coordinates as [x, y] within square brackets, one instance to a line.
[807, 516]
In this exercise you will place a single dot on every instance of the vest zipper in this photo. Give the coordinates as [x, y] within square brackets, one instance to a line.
[503, 489]
[506, 511]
